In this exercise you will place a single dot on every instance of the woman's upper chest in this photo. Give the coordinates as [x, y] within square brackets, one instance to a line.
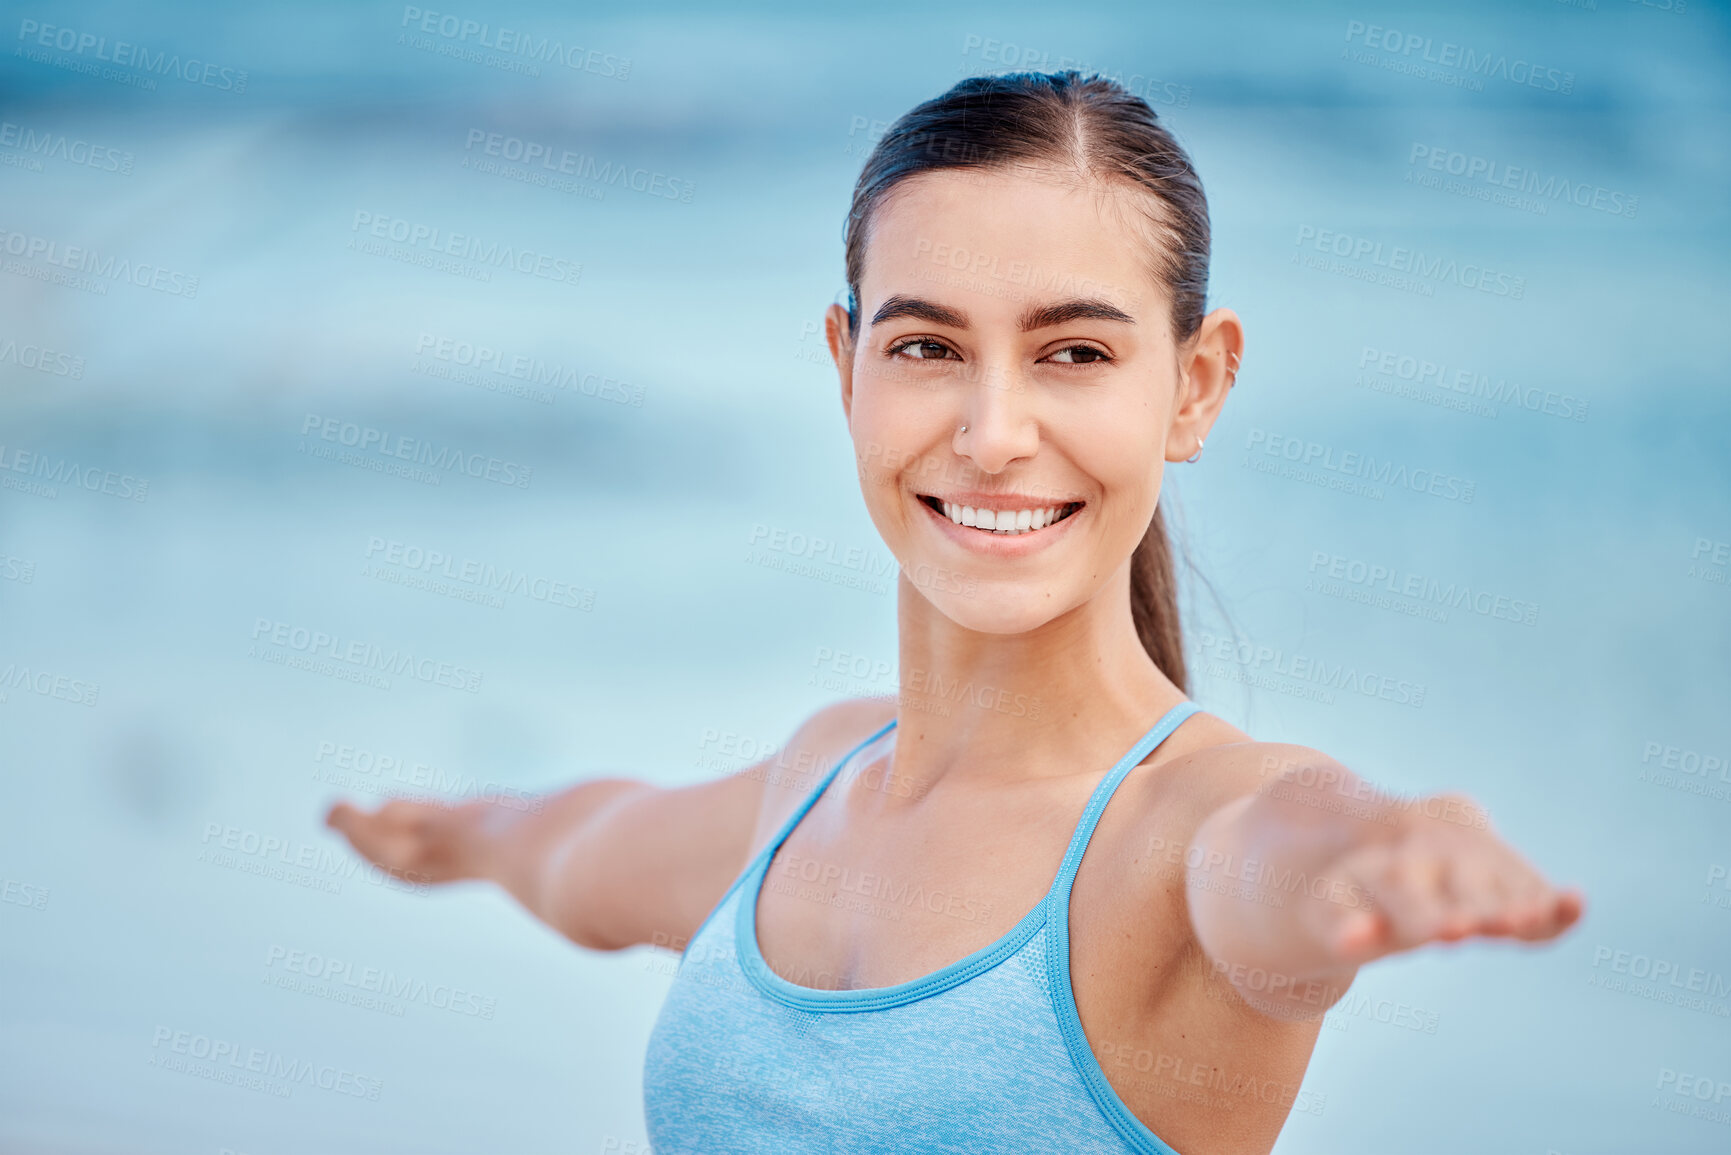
[873, 891]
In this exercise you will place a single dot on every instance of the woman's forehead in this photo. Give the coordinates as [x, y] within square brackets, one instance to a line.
[1029, 233]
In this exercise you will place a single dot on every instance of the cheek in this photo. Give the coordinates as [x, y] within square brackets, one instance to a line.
[892, 432]
[1126, 462]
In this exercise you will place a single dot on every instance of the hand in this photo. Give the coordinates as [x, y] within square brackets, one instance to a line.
[421, 841]
[1445, 875]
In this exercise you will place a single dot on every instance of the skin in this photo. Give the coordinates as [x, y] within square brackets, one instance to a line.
[1200, 971]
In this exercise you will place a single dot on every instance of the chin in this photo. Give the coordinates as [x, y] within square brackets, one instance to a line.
[1004, 608]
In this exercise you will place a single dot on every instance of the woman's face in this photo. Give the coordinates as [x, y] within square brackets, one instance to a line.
[1023, 306]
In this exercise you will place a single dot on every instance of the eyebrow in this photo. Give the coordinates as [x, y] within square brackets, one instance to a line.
[1077, 309]
[900, 306]
[1036, 316]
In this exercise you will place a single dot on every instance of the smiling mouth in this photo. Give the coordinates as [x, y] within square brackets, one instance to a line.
[1009, 522]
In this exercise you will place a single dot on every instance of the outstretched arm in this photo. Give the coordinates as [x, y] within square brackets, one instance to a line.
[527, 853]
[611, 862]
[1295, 885]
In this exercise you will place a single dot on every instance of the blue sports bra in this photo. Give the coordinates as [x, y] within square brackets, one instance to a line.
[986, 1054]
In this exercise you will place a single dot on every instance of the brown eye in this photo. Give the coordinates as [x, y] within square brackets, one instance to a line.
[1079, 355]
[922, 350]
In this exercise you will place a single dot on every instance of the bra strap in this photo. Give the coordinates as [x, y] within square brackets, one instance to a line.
[1160, 731]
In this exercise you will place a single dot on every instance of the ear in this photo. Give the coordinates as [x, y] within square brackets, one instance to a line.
[841, 351]
[1207, 364]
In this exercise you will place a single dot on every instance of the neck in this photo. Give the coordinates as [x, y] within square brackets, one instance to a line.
[977, 707]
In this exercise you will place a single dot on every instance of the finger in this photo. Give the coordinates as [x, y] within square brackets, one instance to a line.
[1570, 907]
[1562, 909]
[1361, 936]
[341, 816]
[378, 840]
[1411, 898]
[1355, 933]
[1531, 906]
[1477, 891]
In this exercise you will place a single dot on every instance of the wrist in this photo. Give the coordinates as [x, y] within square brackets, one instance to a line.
[477, 838]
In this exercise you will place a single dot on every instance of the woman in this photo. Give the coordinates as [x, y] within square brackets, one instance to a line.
[917, 955]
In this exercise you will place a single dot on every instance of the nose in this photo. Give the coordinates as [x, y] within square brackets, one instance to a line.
[997, 424]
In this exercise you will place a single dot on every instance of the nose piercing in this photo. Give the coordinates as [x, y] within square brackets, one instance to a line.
[1197, 456]
[963, 429]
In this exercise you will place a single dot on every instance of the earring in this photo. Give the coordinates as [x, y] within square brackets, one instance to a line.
[1197, 456]
[1234, 367]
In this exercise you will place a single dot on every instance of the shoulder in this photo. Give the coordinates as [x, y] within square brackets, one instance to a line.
[824, 738]
[1208, 763]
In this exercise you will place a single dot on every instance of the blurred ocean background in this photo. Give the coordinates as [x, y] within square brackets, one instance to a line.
[178, 516]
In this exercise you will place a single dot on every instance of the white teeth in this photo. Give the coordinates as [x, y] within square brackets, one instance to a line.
[1005, 521]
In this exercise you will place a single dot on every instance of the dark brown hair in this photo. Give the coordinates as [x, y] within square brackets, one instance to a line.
[1096, 127]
